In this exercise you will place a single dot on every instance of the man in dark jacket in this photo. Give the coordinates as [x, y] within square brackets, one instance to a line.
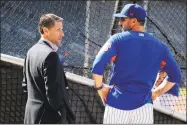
[44, 80]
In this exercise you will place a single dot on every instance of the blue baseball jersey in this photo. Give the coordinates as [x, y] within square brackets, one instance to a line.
[138, 59]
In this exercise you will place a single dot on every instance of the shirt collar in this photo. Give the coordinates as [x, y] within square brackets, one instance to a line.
[54, 46]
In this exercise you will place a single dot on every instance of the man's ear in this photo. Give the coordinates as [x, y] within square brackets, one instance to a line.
[45, 29]
[134, 20]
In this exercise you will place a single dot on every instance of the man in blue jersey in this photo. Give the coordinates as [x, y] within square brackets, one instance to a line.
[138, 56]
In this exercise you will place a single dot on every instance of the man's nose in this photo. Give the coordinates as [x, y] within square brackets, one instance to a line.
[62, 34]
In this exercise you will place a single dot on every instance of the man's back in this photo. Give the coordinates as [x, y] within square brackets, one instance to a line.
[137, 63]
[138, 60]
[139, 55]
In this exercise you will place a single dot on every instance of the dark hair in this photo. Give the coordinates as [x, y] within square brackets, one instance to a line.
[48, 20]
[142, 22]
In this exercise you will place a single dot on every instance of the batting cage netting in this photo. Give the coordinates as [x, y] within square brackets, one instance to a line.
[87, 26]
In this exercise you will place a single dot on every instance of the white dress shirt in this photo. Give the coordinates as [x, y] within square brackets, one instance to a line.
[54, 46]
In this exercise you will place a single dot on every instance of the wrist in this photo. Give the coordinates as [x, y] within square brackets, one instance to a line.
[98, 88]
[157, 92]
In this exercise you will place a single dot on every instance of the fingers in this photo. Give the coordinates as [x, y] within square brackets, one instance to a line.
[103, 97]
[103, 93]
[154, 96]
[65, 53]
[104, 101]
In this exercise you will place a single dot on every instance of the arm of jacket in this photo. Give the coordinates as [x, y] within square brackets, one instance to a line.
[53, 84]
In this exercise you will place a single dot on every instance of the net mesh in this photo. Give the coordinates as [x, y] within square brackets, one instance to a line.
[87, 26]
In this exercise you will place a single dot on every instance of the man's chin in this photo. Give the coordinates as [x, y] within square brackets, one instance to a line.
[59, 42]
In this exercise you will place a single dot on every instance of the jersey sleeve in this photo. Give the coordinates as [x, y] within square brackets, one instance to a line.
[108, 50]
[171, 67]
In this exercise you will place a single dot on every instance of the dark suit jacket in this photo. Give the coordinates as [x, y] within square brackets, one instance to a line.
[45, 83]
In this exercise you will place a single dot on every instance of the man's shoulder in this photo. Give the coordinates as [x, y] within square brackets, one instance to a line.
[121, 36]
[40, 50]
[41, 47]
[153, 37]
[161, 44]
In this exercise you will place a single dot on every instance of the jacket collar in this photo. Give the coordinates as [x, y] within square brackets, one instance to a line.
[48, 43]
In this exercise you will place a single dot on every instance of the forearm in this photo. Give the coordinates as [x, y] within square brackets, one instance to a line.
[161, 77]
[163, 87]
[104, 90]
[98, 80]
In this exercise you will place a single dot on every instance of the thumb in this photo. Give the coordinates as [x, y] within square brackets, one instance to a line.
[103, 100]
